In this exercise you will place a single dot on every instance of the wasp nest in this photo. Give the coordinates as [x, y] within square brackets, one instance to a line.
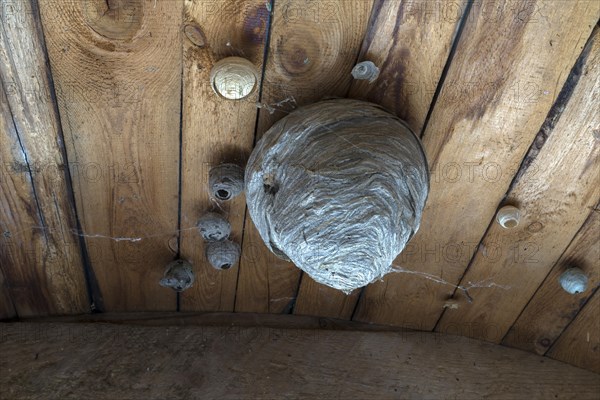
[365, 70]
[234, 78]
[226, 181]
[338, 188]
[178, 275]
[573, 281]
[222, 254]
[508, 217]
[213, 226]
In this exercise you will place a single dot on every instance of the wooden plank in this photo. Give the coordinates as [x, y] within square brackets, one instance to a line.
[40, 255]
[313, 47]
[225, 134]
[580, 342]
[555, 194]
[117, 70]
[7, 309]
[13, 202]
[320, 300]
[275, 321]
[411, 65]
[509, 66]
[18, 214]
[102, 361]
[551, 309]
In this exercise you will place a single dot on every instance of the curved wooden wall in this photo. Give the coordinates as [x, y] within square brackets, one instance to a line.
[229, 357]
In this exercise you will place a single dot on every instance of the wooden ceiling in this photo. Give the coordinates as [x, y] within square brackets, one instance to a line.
[109, 128]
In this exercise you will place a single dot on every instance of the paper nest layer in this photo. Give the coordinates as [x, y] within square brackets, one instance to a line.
[338, 188]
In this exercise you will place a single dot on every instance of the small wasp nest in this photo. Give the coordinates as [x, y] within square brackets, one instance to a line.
[234, 78]
[213, 226]
[365, 70]
[508, 217]
[222, 254]
[338, 188]
[226, 181]
[573, 281]
[178, 275]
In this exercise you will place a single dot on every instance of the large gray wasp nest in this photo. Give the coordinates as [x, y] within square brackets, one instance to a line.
[338, 188]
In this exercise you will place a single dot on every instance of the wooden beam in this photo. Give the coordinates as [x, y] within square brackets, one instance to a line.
[509, 66]
[411, 65]
[276, 321]
[580, 342]
[40, 254]
[18, 215]
[215, 130]
[120, 361]
[117, 70]
[7, 309]
[313, 47]
[555, 191]
[551, 309]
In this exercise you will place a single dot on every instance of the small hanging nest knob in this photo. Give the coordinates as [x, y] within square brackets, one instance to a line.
[338, 188]
[508, 217]
[226, 181]
[223, 254]
[213, 226]
[234, 78]
[365, 70]
[573, 281]
[178, 275]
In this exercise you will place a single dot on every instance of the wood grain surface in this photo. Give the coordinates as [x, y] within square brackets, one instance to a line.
[551, 309]
[117, 70]
[40, 253]
[55, 361]
[215, 130]
[109, 126]
[410, 41]
[580, 342]
[183, 318]
[508, 69]
[7, 309]
[555, 194]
